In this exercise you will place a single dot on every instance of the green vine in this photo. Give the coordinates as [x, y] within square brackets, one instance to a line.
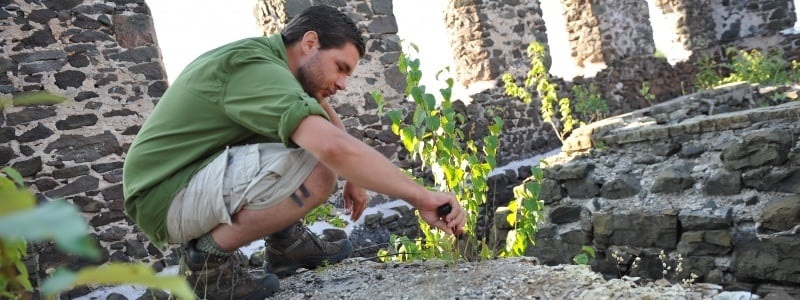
[458, 165]
[554, 111]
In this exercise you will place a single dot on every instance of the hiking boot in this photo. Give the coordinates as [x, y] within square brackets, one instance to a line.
[224, 277]
[297, 247]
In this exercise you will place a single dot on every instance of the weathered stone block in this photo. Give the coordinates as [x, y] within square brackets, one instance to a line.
[82, 148]
[723, 184]
[768, 146]
[636, 229]
[774, 259]
[673, 179]
[782, 213]
[622, 187]
[706, 219]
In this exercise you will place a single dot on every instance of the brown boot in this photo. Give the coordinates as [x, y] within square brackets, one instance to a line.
[224, 277]
[297, 247]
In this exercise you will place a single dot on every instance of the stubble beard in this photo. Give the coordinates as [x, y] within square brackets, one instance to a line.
[306, 79]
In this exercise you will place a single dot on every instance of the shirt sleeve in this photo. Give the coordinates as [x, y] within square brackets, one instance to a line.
[266, 98]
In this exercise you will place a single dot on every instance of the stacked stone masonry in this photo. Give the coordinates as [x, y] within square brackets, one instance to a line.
[711, 179]
[103, 56]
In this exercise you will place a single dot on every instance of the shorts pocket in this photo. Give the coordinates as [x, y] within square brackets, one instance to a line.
[243, 166]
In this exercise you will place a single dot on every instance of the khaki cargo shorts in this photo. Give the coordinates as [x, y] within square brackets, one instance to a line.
[254, 176]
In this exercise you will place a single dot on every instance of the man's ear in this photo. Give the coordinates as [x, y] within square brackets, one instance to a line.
[310, 42]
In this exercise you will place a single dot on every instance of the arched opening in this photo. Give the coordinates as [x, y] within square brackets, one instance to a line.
[665, 34]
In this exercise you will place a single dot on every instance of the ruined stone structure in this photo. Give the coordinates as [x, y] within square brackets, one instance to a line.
[712, 179]
[103, 56]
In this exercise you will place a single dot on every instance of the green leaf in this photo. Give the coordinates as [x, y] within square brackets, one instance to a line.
[589, 250]
[396, 116]
[430, 101]
[446, 93]
[56, 220]
[419, 116]
[492, 161]
[37, 98]
[533, 188]
[409, 139]
[416, 94]
[402, 64]
[117, 273]
[433, 123]
[537, 173]
[581, 259]
[14, 175]
[22, 278]
[61, 280]
[414, 65]
[512, 217]
[378, 97]
[15, 200]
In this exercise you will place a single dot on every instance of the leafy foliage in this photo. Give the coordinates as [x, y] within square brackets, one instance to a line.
[645, 92]
[556, 112]
[458, 165]
[589, 103]
[21, 220]
[587, 253]
[527, 211]
[324, 212]
[753, 66]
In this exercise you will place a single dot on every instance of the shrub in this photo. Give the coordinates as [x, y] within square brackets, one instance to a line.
[753, 66]
[458, 165]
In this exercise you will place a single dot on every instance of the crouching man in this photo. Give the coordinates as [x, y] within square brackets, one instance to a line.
[244, 143]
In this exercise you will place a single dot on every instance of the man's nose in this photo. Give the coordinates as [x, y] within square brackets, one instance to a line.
[341, 83]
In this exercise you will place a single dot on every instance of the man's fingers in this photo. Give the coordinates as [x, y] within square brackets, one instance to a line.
[443, 226]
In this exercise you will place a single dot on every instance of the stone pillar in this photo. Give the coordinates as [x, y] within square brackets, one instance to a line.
[693, 28]
[103, 57]
[735, 20]
[604, 31]
[491, 37]
[584, 32]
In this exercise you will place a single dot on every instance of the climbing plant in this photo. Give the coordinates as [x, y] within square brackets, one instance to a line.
[555, 111]
[458, 165]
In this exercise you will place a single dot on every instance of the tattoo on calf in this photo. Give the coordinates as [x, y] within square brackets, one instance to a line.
[304, 192]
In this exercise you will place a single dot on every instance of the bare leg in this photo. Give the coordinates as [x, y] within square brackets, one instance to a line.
[250, 225]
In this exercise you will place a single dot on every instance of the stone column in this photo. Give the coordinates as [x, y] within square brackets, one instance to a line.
[604, 31]
[491, 37]
[693, 28]
[583, 32]
[103, 58]
[736, 20]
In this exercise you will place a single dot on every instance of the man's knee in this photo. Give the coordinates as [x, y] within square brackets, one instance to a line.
[321, 184]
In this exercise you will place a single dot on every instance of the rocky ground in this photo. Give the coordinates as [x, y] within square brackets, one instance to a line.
[507, 278]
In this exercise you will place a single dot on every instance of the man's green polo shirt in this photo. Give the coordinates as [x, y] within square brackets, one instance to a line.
[239, 93]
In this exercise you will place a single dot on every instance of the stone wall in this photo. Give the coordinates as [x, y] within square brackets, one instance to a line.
[711, 179]
[104, 58]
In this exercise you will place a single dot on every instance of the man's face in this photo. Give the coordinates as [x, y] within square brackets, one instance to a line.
[325, 71]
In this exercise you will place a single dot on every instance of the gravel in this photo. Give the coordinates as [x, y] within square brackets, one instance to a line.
[504, 278]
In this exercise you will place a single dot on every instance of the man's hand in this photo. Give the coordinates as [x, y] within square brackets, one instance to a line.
[355, 200]
[452, 223]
